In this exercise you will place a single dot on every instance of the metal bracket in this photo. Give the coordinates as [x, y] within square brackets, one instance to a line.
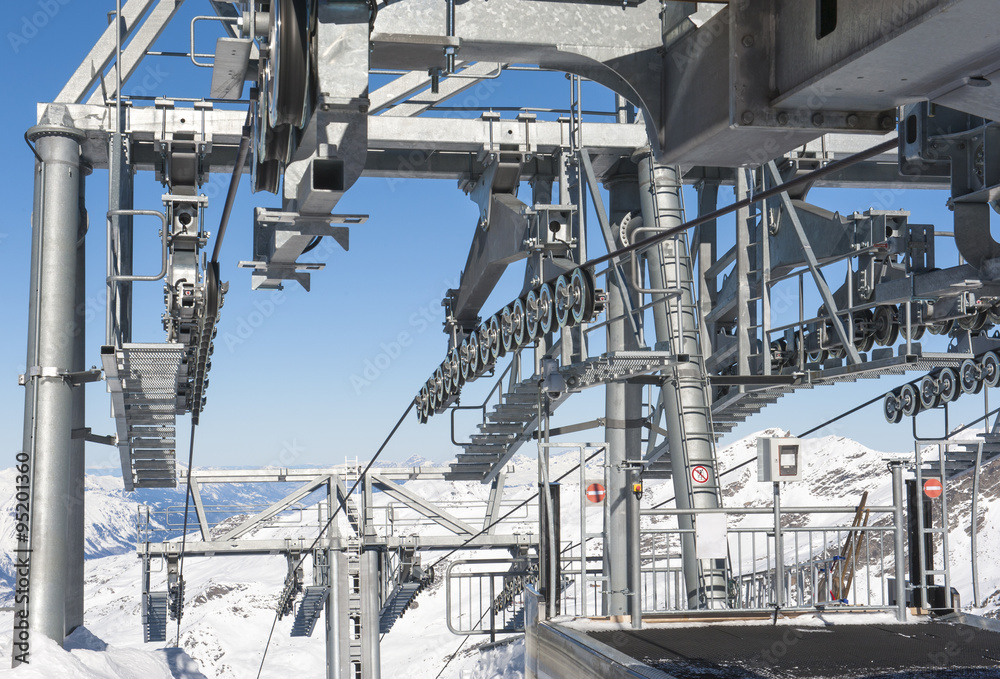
[86, 435]
[74, 378]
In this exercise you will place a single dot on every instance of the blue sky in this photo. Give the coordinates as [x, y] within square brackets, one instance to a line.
[320, 377]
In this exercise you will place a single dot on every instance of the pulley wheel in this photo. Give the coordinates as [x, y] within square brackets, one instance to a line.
[929, 394]
[892, 409]
[531, 313]
[463, 357]
[949, 387]
[991, 369]
[289, 55]
[473, 342]
[497, 349]
[970, 376]
[886, 328]
[582, 289]
[908, 400]
[507, 330]
[518, 323]
[546, 309]
[485, 340]
[563, 301]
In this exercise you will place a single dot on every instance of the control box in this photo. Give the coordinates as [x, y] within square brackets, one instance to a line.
[779, 459]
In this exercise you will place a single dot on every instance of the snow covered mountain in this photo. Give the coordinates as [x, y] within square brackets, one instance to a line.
[230, 600]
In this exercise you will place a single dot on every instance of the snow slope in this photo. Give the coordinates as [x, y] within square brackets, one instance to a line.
[230, 600]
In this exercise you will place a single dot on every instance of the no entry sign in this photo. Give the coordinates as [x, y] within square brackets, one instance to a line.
[595, 492]
[700, 474]
[932, 488]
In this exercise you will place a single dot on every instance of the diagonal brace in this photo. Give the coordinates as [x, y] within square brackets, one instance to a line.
[810, 256]
[275, 508]
[422, 506]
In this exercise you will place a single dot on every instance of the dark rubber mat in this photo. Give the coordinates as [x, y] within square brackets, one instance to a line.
[882, 651]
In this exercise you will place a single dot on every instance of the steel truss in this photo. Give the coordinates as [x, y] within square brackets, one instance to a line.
[748, 95]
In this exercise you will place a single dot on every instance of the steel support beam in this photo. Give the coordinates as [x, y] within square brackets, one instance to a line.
[92, 68]
[274, 509]
[133, 53]
[422, 506]
[623, 415]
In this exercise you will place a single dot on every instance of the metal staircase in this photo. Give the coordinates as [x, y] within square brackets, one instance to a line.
[397, 604]
[961, 457]
[309, 610]
[514, 420]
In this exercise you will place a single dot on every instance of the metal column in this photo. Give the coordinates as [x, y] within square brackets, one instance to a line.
[686, 398]
[370, 604]
[49, 403]
[623, 416]
[898, 500]
[77, 475]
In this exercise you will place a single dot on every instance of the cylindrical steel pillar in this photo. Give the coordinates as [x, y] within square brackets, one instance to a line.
[898, 502]
[623, 414]
[50, 401]
[686, 401]
[75, 538]
[370, 657]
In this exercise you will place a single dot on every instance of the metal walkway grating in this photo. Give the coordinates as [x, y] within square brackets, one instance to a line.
[144, 381]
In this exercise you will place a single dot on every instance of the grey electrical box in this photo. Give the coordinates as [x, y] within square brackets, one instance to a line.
[779, 459]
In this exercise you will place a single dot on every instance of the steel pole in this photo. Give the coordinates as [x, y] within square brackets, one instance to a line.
[898, 500]
[779, 552]
[686, 400]
[51, 445]
[371, 662]
[623, 406]
[75, 538]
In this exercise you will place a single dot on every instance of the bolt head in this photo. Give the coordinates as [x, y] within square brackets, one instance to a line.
[782, 118]
[887, 122]
[748, 40]
[853, 120]
[747, 117]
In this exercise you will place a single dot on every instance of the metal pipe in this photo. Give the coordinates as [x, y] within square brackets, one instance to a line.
[371, 664]
[779, 554]
[898, 499]
[51, 431]
[164, 237]
[765, 510]
[75, 538]
[975, 509]
[686, 401]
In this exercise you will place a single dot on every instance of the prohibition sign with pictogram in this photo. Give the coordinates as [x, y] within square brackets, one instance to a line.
[596, 492]
[700, 474]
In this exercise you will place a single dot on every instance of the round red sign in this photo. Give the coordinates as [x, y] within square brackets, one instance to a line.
[700, 474]
[596, 492]
[932, 488]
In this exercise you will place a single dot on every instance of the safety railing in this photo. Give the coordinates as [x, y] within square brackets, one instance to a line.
[486, 596]
[843, 565]
[154, 524]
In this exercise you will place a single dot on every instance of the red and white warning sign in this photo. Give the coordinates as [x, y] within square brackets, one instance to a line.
[700, 474]
[596, 492]
[933, 488]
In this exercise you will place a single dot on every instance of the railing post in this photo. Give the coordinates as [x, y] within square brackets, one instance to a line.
[779, 557]
[896, 468]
